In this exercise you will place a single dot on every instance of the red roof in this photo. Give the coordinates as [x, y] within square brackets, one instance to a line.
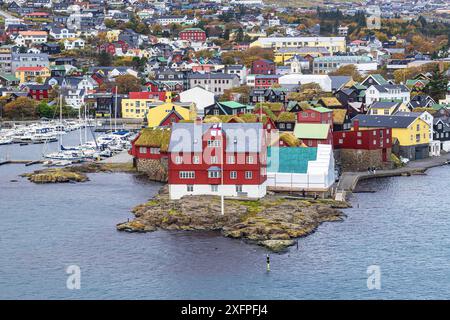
[30, 68]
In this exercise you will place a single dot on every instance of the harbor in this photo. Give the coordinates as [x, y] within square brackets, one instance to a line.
[90, 146]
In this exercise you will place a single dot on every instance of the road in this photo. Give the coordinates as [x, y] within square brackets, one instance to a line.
[349, 180]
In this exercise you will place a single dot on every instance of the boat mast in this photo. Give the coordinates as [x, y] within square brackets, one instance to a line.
[60, 121]
[115, 112]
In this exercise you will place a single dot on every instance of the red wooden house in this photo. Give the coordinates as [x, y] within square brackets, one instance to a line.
[151, 143]
[360, 149]
[315, 115]
[217, 159]
[265, 81]
[38, 91]
[193, 34]
[263, 66]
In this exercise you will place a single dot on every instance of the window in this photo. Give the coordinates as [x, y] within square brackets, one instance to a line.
[189, 188]
[142, 149]
[154, 150]
[213, 143]
[233, 175]
[238, 188]
[213, 174]
[231, 160]
[418, 127]
[214, 188]
[359, 141]
[417, 137]
[195, 159]
[187, 175]
[178, 160]
[341, 141]
[248, 175]
[250, 159]
[213, 159]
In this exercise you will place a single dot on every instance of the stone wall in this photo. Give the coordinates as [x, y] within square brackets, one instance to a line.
[360, 160]
[157, 170]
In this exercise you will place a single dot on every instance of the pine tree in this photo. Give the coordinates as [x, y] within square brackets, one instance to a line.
[437, 87]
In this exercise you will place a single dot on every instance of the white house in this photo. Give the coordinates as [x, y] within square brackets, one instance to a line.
[62, 33]
[387, 92]
[27, 38]
[200, 96]
[74, 44]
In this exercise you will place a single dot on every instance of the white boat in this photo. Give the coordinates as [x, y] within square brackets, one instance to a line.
[56, 163]
[5, 140]
[44, 137]
[72, 155]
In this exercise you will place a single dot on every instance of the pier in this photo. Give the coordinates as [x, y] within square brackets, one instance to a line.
[349, 180]
[25, 162]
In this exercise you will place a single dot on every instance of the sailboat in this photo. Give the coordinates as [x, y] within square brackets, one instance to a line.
[62, 154]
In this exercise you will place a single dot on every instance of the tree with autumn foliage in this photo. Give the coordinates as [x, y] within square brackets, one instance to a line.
[127, 83]
[20, 109]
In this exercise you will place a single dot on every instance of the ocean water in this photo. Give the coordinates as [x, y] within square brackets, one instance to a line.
[403, 229]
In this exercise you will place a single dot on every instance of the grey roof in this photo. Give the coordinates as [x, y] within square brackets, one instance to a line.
[408, 114]
[384, 121]
[240, 137]
[338, 81]
[387, 87]
[383, 104]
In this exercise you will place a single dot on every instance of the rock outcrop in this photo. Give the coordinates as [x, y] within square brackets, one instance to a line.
[273, 221]
[55, 176]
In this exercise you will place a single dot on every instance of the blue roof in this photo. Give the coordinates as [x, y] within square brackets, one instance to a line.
[290, 159]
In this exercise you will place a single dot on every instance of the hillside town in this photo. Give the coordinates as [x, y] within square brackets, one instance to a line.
[238, 98]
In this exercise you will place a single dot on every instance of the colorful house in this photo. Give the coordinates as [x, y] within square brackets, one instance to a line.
[137, 104]
[149, 151]
[411, 135]
[315, 115]
[387, 108]
[31, 74]
[359, 149]
[226, 159]
[165, 113]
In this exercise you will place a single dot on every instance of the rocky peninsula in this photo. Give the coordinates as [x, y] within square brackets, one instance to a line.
[274, 221]
[75, 173]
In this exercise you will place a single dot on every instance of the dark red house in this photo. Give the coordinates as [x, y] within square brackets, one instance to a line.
[193, 34]
[265, 81]
[315, 115]
[360, 149]
[38, 91]
[111, 47]
[263, 66]
[227, 159]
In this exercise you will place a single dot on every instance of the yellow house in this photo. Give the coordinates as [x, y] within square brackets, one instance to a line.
[332, 44]
[284, 54]
[411, 133]
[27, 74]
[387, 108]
[162, 113]
[137, 104]
[113, 35]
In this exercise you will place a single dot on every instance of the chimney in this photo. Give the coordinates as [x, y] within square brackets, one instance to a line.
[356, 125]
[198, 120]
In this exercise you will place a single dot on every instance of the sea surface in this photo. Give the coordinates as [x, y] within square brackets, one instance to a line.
[403, 229]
